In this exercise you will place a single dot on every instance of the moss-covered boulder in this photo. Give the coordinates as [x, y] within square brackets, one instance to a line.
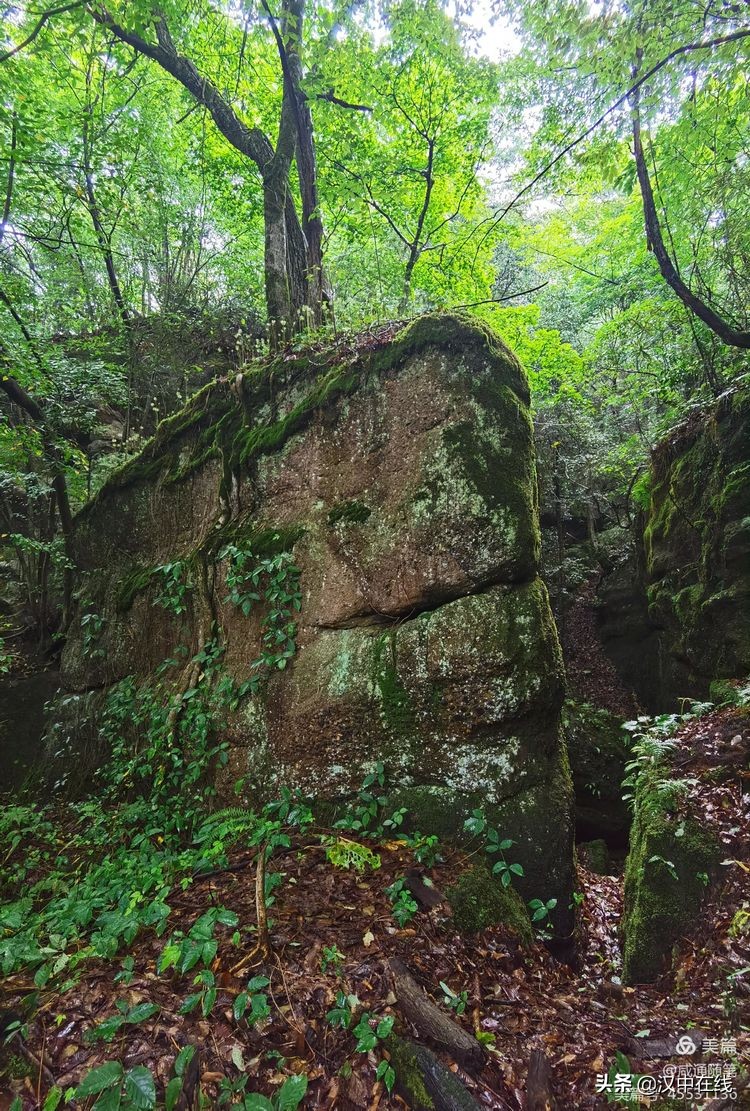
[697, 548]
[598, 749]
[396, 478]
[479, 900]
[669, 867]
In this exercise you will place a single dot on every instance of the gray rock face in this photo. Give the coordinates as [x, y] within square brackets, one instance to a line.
[400, 481]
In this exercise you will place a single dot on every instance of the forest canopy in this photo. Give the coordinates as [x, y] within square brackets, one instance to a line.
[185, 186]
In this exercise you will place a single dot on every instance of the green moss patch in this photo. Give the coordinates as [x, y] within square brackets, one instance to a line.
[479, 900]
[395, 703]
[670, 862]
[133, 583]
[409, 1074]
[234, 422]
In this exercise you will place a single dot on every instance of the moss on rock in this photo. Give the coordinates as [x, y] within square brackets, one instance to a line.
[666, 878]
[596, 856]
[425, 638]
[479, 900]
[697, 548]
[349, 513]
[133, 583]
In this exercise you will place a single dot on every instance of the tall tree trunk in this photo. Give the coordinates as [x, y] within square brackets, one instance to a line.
[104, 241]
[281, 312]
[312, 224]
[286, 245]
[105, 246]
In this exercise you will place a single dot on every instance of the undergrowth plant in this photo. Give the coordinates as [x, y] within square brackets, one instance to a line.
[371, 1032]
[649, 775]
[478, 826]
[367, 816]
[403, 904]
[146, 830]
[173, 586]
[343, 853]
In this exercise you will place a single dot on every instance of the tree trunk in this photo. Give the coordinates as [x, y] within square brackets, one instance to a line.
[17, 394]
[290, 260]
[312, 224]
[278, 295]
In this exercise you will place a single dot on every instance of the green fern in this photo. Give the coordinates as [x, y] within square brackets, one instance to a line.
[227, 825]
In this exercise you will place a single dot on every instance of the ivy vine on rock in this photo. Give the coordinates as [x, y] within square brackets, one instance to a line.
[272, 581]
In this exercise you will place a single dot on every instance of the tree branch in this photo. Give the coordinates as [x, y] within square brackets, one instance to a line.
[330, 96]
[37, 28]
[11, 176]
[687, 48]
[499, 300]
[655, 242]
[251, 142]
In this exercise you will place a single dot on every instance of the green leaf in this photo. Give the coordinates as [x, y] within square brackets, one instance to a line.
[191, 1002]
[109, 1100]
[256, 1102]
[54, 1095]
[183, 1059]
[169, 957]
[104, 1076]
[172, 1093]
[141, 1012]
[139, 1086]
[292, 1092]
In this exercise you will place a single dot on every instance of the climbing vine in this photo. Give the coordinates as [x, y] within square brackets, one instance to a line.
[273, 580]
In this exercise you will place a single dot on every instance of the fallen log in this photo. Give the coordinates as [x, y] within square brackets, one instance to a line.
[539, 1095]
[424, 1081]
[430, 1021]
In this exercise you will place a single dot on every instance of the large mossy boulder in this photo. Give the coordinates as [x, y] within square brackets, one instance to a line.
[398, 472]
[598, 750]
[697, 548]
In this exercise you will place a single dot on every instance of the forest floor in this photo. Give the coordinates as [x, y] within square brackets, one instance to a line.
[333, 931]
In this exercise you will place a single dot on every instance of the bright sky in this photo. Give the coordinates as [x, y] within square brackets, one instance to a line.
[496, 35]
